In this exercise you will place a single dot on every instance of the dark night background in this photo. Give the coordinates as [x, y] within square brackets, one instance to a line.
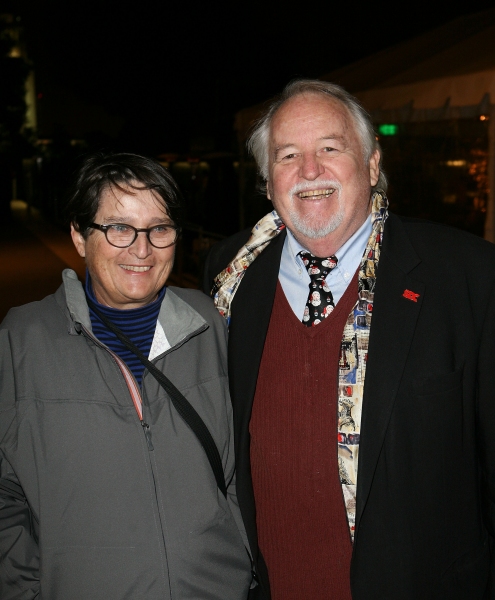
[166, 80]
[170, 76]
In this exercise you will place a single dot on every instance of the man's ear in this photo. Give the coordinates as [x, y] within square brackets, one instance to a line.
[374, 167]
[79, 241]
[268, 192]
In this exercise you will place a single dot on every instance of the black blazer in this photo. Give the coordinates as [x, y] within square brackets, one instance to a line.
[426, 485]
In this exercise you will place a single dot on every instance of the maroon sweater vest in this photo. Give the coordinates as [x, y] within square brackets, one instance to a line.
[301, 520]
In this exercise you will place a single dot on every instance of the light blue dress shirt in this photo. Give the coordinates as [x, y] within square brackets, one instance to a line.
[294, 277]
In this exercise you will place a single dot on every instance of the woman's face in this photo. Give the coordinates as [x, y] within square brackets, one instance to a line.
[126, 277]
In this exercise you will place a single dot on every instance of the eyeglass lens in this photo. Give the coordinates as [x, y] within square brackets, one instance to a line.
[124, 235]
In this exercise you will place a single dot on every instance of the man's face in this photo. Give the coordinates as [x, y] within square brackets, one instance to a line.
[319, 181]
[126, 277]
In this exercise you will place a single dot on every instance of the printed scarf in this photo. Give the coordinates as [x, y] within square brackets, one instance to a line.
[226, 283]
[352, 361]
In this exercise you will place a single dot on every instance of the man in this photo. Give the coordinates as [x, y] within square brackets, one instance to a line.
[391, 362]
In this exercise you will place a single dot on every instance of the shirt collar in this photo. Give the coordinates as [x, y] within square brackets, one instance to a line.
[347, 254]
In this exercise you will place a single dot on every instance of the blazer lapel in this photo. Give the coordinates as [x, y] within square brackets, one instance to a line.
[251, 311]
[397, 303]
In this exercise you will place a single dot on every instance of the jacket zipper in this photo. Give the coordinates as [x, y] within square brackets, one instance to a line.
[146, 427]
[147, 434]
[134, 390]
[132, 386]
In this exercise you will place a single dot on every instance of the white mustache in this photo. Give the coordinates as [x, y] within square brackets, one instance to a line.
[321, 184]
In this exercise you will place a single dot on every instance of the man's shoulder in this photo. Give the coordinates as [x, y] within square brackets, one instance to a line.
[438, 236]
[440, 252]
[226, 249]
[221, 254]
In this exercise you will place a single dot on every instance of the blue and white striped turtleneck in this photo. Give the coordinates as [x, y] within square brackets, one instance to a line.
[138, 324]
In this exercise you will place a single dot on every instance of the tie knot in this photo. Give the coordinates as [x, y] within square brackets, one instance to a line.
[318, 268]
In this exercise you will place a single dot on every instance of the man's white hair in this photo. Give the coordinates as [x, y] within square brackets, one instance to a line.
[259, 139]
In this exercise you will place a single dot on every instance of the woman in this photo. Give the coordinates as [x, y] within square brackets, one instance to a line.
[108, 486]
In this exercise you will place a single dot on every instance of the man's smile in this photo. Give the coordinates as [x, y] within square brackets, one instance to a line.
[316, 194]
[135, 268]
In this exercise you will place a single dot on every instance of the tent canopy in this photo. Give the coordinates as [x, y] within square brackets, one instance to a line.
[444, 73]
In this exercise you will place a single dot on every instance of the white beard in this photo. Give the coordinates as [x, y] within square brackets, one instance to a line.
[307, 225]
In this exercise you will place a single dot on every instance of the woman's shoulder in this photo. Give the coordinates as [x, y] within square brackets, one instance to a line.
[198, 300]
[25, 317]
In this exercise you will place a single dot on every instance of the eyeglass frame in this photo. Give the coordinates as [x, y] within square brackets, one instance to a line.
[137, 231]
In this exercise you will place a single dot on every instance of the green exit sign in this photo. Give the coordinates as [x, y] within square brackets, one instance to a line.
[388, 129]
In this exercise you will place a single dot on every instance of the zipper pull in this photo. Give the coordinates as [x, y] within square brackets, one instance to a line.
[147, 434]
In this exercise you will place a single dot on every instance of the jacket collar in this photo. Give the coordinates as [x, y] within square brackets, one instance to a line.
[75, 301]
[177, 318]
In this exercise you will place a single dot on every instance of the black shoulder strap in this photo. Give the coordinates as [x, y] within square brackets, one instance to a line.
[181, 404]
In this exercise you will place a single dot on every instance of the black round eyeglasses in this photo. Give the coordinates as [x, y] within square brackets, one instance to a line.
[122, 235]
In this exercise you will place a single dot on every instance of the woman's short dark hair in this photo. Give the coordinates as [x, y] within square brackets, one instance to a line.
[100, 171]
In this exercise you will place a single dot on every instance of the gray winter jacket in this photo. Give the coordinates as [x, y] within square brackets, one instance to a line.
[89, 508]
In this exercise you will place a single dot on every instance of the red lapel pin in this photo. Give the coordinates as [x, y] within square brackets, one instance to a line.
[411, 295]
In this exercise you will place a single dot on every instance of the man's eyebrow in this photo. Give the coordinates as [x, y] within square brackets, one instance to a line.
[329, 137]
[339, 138]
[282, 147]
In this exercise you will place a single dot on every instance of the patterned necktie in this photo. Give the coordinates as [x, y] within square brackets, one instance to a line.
[320, 300]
